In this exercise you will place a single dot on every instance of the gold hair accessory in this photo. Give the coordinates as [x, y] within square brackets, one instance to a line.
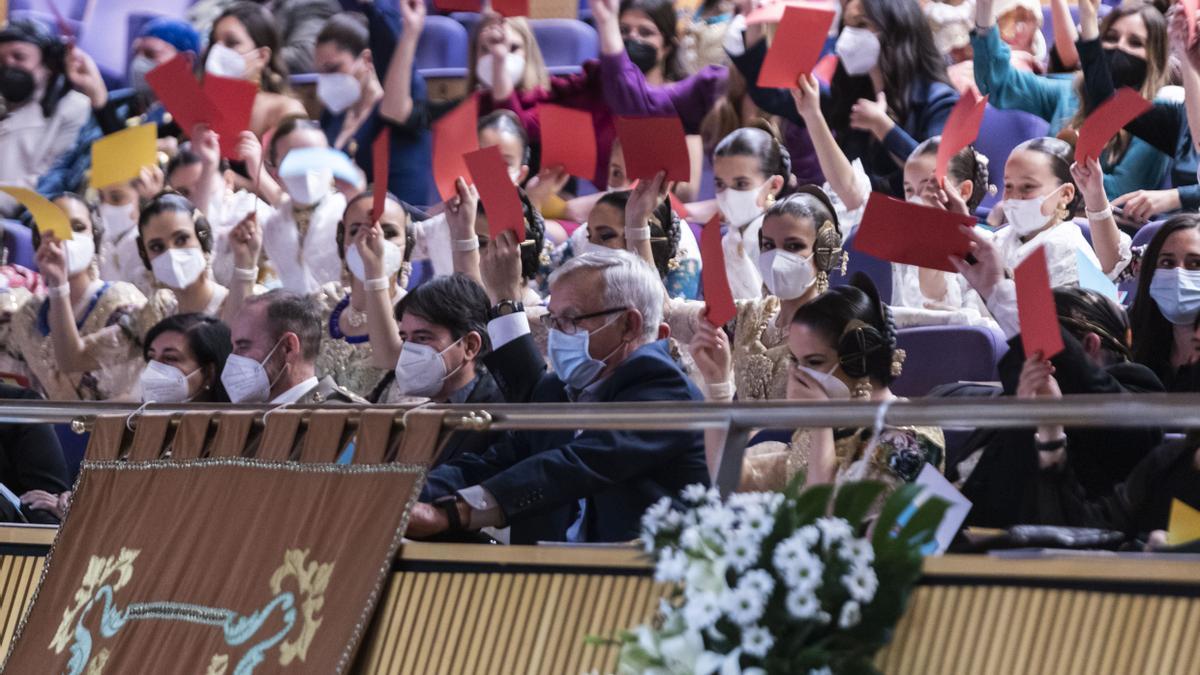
[822, 282]
[862, 389]
[898, 358]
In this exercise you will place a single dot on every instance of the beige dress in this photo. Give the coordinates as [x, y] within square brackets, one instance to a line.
[110, 332]
[348, 363]
[760, 350]
[13, 368]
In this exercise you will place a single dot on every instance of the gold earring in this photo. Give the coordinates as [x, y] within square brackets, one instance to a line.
[1062, 213]
[770, 201]
[898, 357]
[822, 282]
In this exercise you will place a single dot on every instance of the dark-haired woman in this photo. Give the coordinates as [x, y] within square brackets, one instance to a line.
[998, 470]
[175, 243]
[1135, 39]
[1042, 191]
[619, 218]
[244, 45]
[800, 244]
[81, 342]
[1166, 305]
[890, 90]
[356, 62]
[842, 345]
[185, 355]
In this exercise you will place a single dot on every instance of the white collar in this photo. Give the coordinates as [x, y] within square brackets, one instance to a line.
[295, 393]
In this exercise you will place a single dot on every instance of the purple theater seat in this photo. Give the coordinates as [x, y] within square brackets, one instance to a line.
[1144, 234]
[565, 44]
[468, 20]
[1003, 130]
[1085, 227]
[1048, 23]
[18, 244]
[945, 354]
[880, 271]
[72, 10]
[442, 50]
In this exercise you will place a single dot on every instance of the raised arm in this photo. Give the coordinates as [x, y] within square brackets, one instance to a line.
[397, 104]
[1064, 31]
[1008, 87]
[645, 198]
[461, 210]
[381, 323]
[837, 168]
[245, 239]
[70, 352]
[1106, 238]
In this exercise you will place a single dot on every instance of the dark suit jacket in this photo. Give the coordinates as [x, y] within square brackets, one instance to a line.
[538, 477]
[30, 459]
[1001, 486]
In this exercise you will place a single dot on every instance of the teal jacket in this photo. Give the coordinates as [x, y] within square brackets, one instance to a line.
[1054, 100]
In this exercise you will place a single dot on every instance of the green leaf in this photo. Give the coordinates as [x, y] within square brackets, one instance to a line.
[854, 500]
[884, 538]
[795, 485]
[921, 528]
[812, 503]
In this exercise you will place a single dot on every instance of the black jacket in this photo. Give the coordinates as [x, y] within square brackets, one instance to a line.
[30, 459]
[539, 477]
[1001, 484]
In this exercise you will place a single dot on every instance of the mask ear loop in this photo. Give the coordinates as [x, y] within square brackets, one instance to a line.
[267, 414]
[135, 413]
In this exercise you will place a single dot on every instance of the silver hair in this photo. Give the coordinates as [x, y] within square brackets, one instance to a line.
[628, 282]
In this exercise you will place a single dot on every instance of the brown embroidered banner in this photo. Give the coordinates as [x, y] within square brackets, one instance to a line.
[221, 566]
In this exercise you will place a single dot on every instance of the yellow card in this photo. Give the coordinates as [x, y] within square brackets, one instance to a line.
[118, 157]
[1184, 525]
[49, 218]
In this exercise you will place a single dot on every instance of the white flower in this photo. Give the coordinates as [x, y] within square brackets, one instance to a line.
[757, 522]
[857, 552]
[797, 565]
[759, 581]
[706, 576]
[672, 521]
[679, 652]
[821, 671]
[715, 518]
[803, 605]
[850, 616]
[672, 565]
[861, 583]
[702, 610]
[741, 552]
[834, 530]
[809, 534]
[697, 494]
[757, 641]
[690, 540]
[743, 605]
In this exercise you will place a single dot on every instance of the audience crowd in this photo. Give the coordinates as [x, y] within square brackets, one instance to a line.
[281, 265]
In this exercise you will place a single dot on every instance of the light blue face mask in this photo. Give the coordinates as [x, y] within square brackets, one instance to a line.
[572, 361]
[1177, 293]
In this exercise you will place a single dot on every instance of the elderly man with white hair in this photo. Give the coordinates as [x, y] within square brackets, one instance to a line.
[605, 316]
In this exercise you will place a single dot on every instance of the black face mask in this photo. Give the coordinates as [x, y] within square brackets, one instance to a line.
[642, 55]
[1127, 70]
[16, 86]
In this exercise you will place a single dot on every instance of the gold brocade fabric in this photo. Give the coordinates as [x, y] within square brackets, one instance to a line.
[760, 351]
[11, 363]
[110, 337]
[896, 459]
[349, 364]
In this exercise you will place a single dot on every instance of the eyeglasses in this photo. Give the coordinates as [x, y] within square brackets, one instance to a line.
[570, 324]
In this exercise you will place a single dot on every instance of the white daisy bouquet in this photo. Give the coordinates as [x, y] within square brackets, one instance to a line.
[791, 582]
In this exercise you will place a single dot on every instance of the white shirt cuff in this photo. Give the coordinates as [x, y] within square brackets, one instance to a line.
[1003, 306]
[485, 510]
[504, 329]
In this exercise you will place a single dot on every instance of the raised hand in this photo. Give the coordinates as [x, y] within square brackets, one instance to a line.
[412, 13]
[710, 350]
[644, 199]
[1089, 26]
[246, 241]
[984, 16]
[249, 150]
[807, 96]
[872, 116]
[500, 267]
[52, 261]
[950, 199]
[461, 210]
[988, 267]
[369, 241]
[85, 76]
[1037, 379]
[546, 184]
[150, 181]
[207, 146]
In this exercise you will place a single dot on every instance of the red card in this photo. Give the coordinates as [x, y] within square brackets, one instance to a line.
[1035, 306]
[660, 146]
[796, 47]
[717, 296]
[497, 192]
[454, 135]
[568, 139]
[175, 86]
[511, 7]
[1105, 121]
[380, 150]
[235, 100]
[458, 5]
[912, 234]
[677, 206]
[961, 130]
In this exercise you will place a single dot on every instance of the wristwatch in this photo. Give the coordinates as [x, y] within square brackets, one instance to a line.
[506, 307]
[449, 505]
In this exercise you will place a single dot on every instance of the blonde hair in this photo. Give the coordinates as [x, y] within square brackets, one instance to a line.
[535, 74]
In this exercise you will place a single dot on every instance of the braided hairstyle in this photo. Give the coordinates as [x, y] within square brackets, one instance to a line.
[173, 202]
[1082, 312]
[760, 140]
[966, 164]
[535, 231]
[809, 202]
[860, 327]
[665, 228]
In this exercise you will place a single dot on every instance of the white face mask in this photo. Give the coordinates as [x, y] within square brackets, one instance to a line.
[514, 65]
[739, 206]
[917, 199]
[80, 249]
[1177, 294]
[1025, 215]
[786, 275]
[393, 259]
[179, 268]
[587, 246]
[309, 187]
[421, 369]
[834, 388]
[338, 91]
[246, 380]
[225, 62]
[162, 383]
[118, 219]
[514, 174]
[858, 49]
